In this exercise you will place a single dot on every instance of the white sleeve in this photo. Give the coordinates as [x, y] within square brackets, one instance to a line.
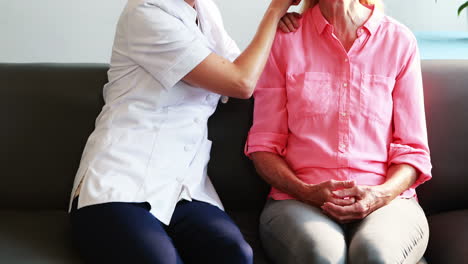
[163, 45]
[232, 50]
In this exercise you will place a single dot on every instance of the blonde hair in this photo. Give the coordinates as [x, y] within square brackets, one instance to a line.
[306, 4]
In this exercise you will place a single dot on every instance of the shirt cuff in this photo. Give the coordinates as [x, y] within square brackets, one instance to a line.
[184, 64]
[418, 158]
[268, 142]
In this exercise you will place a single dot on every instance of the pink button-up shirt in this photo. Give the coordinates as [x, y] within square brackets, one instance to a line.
[340, 115]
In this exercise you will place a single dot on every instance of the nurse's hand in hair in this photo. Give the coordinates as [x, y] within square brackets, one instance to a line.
[290, 22]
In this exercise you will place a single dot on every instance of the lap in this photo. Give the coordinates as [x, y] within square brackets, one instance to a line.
[129, 233]
[294, 232]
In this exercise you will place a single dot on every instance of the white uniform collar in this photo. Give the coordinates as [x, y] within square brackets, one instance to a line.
[190, 12]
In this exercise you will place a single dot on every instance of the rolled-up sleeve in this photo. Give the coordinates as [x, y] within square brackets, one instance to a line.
[409, 144]
[269, 131]
[163, 45]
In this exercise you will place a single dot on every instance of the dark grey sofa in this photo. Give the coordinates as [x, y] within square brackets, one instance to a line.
[48, 111]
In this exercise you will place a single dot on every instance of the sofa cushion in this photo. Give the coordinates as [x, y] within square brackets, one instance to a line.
[36, 237]
[449, 238]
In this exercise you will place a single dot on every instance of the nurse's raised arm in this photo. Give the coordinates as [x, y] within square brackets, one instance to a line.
[238, 78]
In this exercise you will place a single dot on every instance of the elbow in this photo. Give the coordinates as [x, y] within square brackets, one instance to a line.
[245, 88]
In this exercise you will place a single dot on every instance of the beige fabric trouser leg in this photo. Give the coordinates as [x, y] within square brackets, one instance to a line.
[396, 233]
[295, 233]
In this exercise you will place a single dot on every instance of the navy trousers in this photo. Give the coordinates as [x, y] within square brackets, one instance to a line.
[129, 233]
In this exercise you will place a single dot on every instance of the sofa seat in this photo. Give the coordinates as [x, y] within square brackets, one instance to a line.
[36, 237]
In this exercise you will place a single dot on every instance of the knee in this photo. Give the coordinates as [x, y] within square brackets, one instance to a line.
[243, 252]
[369, 254]
[236, 251]
[304, 250]
[324, 254]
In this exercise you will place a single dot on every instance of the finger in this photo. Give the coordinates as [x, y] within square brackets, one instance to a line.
[351, 192]
[288, 22]
[294, 19]
[335, 185]
[283, 27]
[342, 202]
[337, 209]
[342, 213]
[297, 15]
[355, 211]
[339, 218]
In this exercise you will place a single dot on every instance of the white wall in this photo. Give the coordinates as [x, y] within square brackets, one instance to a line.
[82, 30]
[426, 15]
[57, 30]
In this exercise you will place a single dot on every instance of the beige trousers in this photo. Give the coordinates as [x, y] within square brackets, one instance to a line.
[296, 233]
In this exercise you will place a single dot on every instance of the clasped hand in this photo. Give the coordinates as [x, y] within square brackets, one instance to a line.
[345, 201]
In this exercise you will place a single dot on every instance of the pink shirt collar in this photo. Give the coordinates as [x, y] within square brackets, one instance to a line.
[372, 24]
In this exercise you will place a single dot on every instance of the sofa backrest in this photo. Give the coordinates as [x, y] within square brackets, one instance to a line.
[48, 111]
[446, 101]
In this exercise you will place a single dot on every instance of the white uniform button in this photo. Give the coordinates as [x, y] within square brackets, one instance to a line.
[360, 31]
[342, 146]
[343, 114]
[346, 60]
[224, 99]
[197, 120]
[345, 84]
[187, 148]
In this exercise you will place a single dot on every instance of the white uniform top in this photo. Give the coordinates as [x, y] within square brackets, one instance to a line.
[150, 143]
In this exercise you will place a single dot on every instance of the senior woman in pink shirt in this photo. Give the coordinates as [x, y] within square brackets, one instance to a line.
[339, 132]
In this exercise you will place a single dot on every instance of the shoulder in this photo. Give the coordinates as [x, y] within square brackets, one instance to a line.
[287, 38]
[152, 19]
[399, 32]
[153, 11]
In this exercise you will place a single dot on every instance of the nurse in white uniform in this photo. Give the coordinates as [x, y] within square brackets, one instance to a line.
[141, 193]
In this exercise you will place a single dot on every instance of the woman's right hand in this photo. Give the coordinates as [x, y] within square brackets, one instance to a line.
[319, 194]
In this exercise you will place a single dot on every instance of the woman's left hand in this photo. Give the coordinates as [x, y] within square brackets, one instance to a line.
[368, 199]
